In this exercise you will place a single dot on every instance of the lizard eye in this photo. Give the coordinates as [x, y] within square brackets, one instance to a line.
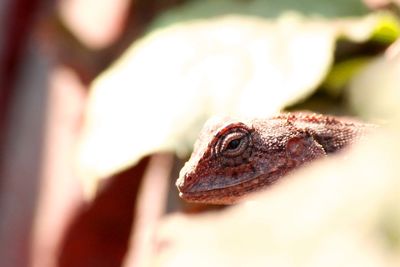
[232, 145]
[234, 142]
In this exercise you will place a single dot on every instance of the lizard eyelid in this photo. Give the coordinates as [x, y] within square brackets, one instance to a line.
[234, 144]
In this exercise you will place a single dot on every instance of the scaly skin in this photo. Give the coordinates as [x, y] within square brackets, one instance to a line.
[233, 158]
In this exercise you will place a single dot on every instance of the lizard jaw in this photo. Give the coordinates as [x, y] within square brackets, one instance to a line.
[228, 195]
[188, 183]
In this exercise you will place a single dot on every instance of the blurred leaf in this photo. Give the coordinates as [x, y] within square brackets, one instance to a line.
[387, 30]
[374, 93]
[196, 9]
[158, 94]
[341, 74]
[340, 211]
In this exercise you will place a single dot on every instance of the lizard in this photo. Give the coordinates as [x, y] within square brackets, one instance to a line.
[233, 158]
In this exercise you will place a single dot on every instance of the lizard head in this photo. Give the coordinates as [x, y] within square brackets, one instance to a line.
[232, 158]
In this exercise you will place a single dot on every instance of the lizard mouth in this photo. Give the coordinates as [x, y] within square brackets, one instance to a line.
[189, 185]
[227, 195]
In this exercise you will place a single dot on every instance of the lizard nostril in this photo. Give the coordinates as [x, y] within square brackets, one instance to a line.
[186, 182]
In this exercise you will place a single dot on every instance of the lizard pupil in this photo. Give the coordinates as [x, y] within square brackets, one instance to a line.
[234, 144]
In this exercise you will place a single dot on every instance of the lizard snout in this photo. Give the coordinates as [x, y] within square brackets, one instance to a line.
[181, 183]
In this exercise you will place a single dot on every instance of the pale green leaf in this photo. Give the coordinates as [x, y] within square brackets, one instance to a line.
[158, 94]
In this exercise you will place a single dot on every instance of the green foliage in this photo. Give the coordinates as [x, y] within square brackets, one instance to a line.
[175, 77]
[197, 9]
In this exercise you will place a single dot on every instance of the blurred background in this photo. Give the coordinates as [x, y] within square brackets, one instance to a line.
[101, 102]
